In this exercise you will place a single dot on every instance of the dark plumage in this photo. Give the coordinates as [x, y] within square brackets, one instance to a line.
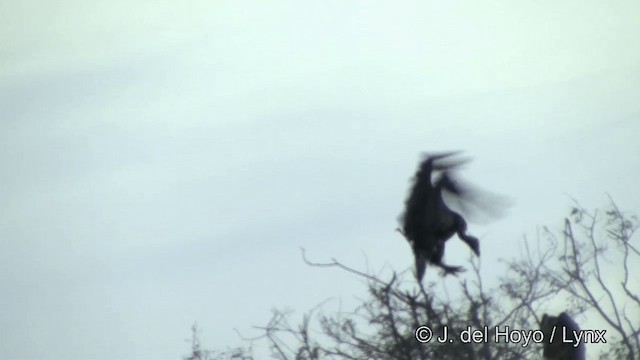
[427, 222]
[555, 348]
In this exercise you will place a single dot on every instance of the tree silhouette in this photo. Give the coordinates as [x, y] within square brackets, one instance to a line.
[571, 266]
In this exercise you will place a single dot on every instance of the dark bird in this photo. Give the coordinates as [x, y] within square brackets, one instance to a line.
[427, 222]
[556, 330]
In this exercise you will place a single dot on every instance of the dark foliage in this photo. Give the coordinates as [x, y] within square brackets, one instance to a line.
[558, 329]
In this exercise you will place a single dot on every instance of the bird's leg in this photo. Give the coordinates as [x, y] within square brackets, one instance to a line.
[461, 230]
[473, 243]
[421, 265]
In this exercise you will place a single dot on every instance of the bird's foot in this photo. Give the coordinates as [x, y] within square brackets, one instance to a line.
[451, 270]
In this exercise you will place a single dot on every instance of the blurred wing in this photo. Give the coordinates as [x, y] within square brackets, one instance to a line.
[437, 162]
[475, 204]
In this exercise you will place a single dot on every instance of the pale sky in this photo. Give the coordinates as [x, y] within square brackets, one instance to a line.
[164, 162]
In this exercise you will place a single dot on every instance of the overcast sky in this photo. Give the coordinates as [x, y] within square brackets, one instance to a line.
[164, 162]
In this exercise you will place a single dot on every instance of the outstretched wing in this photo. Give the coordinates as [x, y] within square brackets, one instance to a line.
[473, 203]
[434, 161]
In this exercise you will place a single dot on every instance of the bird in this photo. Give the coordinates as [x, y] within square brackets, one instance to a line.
[556, 330]
[427, 222]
